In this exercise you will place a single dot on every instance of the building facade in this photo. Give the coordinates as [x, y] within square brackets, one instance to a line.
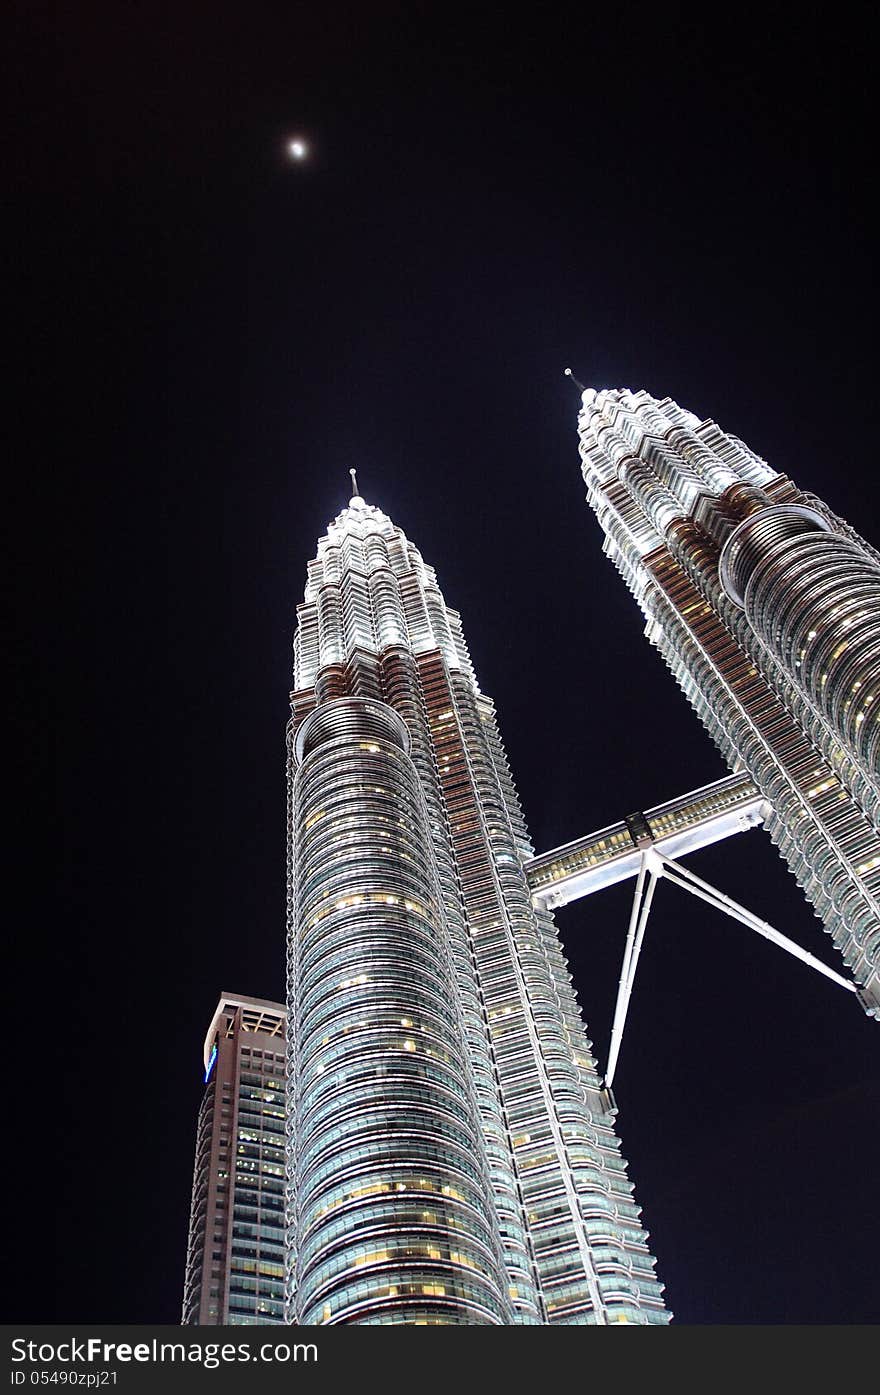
[766, 607]
[452, 1157]
[235, 1256]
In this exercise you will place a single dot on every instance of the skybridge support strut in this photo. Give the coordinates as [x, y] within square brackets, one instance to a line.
[653, 865]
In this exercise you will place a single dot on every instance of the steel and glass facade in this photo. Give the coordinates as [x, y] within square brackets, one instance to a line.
[451, 1155]
[235, 1257]
[766, 607]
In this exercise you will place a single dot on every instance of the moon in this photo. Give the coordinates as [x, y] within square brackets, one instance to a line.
[297, 148]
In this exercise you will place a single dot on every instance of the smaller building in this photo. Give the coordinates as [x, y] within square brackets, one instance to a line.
[235, 1257]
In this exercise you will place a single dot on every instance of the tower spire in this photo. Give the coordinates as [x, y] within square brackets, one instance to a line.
[355, 492]
[568, 374]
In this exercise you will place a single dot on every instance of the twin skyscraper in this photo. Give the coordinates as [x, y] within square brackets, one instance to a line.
[424, 1136]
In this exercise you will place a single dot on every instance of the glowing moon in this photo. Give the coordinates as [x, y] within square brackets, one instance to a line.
[297, 149]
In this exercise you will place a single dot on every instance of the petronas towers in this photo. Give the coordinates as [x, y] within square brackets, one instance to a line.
[451, 1154]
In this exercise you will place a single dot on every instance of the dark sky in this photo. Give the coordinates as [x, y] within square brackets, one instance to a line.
[207, 337]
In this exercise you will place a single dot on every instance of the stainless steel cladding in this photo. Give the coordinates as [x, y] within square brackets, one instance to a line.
[766, 607]
[392, 1203]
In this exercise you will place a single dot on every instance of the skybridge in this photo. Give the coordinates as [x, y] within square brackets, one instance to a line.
[646, 846]
[680, 826]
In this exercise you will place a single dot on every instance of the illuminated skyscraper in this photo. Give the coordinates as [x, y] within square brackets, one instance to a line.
[451, 1154]
[766, 607]
[235, 1259]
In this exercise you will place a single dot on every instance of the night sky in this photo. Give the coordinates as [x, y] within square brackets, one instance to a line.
[208, 336]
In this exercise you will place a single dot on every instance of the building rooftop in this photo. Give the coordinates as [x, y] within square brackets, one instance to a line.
[258, 1015]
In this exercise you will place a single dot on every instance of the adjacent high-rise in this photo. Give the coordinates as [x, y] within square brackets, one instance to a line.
[766, 607]
[235, 1257]
[451, 1154]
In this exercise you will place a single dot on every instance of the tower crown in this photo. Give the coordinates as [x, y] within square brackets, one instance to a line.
[369, 589]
